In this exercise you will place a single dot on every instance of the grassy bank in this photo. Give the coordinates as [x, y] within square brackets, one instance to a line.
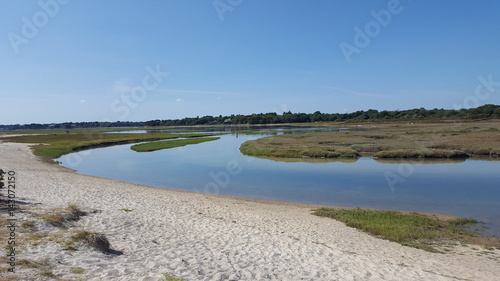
[396, 140]
[411, 229]
[54, 145]
[157, 145]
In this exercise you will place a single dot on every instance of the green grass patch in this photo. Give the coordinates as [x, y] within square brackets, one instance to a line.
[54, 145]
[47, 273]
[77, 270]
[413, 230]
[157, 145]
[434, 153]
[170, 277]
[277, 150]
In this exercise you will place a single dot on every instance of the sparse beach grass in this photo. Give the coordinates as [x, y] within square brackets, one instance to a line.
[27, 264]
[167, 276]
[409, 229]
[92, 239]
[157, 145]
[54, 145]
[386, 141]
[77, 270]
[47, 273]
[61, 217]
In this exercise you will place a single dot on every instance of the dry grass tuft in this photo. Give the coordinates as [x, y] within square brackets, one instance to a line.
[28, 224]
[26, 263]
[74, 212]
[77, 270]
[47, 273]
[170, 277]
[56, 220]
[62, 217]
[93, 239]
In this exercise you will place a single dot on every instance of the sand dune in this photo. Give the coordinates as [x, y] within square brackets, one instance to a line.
[199, 237]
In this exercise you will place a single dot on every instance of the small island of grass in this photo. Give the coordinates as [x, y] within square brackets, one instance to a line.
[443, 140]
[52, 144]
[157, 145]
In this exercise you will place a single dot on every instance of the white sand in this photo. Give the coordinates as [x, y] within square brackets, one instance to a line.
[200, 237]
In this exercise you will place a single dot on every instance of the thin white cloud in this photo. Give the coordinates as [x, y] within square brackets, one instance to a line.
[195, 92]
[179, 100]
[120, 87]
[360, 93]
[83, 101]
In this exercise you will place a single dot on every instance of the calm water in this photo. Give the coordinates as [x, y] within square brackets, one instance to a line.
[470, 188]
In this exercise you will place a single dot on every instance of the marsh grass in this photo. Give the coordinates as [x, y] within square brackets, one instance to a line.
[282, 150]
[157, 145]
[409, 229]
[386, 141]
[429, 153]
[54, 145]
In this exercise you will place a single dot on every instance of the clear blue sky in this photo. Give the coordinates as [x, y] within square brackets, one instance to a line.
[88, 60]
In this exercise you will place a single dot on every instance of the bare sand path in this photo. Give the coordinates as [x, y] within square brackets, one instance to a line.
[199, 237]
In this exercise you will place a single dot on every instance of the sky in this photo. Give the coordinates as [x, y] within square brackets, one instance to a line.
[75, 61]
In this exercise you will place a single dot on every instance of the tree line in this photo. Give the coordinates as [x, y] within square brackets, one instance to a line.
[483, 112]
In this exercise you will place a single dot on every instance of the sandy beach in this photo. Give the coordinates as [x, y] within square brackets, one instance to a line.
[207, 237]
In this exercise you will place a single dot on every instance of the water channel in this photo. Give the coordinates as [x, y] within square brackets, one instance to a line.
[468, 188]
